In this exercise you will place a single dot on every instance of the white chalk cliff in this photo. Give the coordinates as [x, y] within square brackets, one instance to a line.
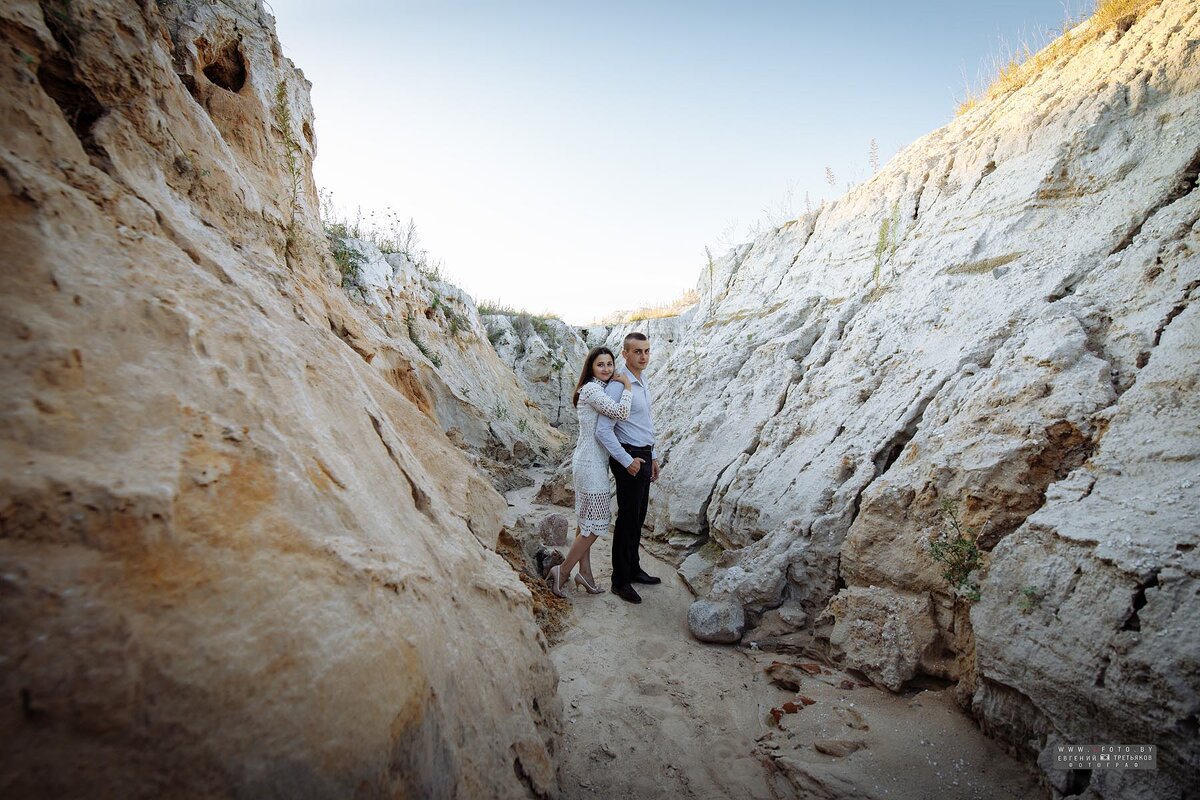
[1002, 317]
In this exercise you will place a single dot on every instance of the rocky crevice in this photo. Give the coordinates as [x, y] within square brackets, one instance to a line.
[1184, 184]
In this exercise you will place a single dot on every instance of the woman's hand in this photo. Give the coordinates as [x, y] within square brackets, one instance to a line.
[624, 379]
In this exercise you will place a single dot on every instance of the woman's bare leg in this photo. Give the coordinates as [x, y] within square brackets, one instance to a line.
[579, 550]
[585, 565]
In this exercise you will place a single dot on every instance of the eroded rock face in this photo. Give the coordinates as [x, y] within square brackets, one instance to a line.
[1003, 317]
[547, 355]
[428, 340]
[241, 555]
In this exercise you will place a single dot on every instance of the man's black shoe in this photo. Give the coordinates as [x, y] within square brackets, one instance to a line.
[627, 593]
[642, 576]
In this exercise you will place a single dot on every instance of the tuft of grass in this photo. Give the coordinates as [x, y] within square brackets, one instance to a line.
[496, 308]
[387, 230]
[347, 258]
[889, 240]
[434, 358]
[1026, 64]
[1110, 14]
[670, 309]
[1030, 599]
[984, 266]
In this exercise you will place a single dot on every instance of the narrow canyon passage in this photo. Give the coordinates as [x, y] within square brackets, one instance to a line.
[650, 712]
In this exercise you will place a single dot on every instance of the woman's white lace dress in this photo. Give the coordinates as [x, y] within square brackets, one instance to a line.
[589, 464]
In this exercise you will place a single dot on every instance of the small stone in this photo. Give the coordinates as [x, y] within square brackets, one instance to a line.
[785, 676]
[838, 748]
[552, 530]
[718, 621]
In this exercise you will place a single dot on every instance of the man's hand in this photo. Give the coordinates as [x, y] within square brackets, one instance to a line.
[654, 474]
[635, 466]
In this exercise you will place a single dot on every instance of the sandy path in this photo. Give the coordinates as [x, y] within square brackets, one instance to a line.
[649, 712]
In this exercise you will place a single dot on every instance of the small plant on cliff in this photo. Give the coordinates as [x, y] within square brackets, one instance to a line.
[954, 547]
[889, 239]
[1030, 599]
[416, 339]
[293, 164]
[347, 258]
[523, 426]
[556, 366]
[456, 323]
[500, 411]
[394, 234]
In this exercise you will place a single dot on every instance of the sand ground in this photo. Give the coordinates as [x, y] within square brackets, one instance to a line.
[649, 712]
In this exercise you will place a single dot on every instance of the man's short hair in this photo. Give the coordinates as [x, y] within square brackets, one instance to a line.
[633, 336]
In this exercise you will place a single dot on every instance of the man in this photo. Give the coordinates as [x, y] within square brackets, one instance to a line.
[630, 446]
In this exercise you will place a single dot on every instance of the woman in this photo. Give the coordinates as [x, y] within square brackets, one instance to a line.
[589, 466]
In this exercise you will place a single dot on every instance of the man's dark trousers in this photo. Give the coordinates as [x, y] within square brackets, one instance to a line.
[633, 497]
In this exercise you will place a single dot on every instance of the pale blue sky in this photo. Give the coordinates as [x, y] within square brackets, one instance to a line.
[577, 157]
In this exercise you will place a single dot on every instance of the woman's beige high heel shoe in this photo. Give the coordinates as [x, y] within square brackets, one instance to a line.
[554, 578]
[590, 588]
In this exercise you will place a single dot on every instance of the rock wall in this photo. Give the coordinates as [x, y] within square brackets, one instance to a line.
[547, 354]
[1002, 318]
[241, 556]
[427, 338]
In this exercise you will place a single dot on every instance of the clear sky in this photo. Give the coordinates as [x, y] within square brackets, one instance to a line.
[577, 157]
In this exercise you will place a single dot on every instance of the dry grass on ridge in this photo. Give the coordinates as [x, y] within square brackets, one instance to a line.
[671, 309]
[1027, 64]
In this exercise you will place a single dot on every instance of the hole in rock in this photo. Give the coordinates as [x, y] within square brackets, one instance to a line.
[922, 682]
[76, 101]
[228, 69]
[1132, 622]
[1078, 782]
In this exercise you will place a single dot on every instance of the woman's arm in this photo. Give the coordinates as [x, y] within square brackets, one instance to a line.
[598, 399]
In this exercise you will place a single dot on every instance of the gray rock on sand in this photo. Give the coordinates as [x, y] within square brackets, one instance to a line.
[718, 621]
[552, 530]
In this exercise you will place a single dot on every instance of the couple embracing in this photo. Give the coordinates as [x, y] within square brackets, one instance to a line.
[616, 433]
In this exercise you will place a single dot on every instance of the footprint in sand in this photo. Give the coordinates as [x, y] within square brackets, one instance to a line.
[851, 717]
[649, 688]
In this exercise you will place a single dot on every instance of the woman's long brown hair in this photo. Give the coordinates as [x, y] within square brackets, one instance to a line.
[587, 374]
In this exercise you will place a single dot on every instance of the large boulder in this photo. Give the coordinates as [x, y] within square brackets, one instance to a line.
[882, 633]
